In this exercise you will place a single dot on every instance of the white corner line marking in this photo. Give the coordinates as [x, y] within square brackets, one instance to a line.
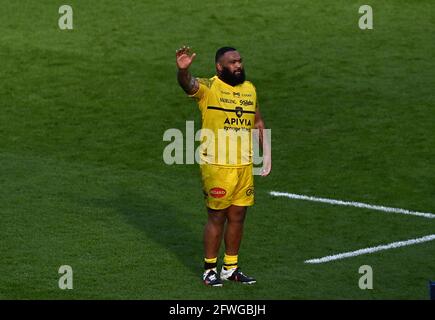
[371, 250]
[352, 204]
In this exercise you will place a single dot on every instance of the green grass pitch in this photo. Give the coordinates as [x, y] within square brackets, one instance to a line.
[82, 116]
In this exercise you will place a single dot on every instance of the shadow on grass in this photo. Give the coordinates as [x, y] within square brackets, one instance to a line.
[165, 224]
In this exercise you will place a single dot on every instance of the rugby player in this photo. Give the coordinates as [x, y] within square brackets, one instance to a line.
[228, 103]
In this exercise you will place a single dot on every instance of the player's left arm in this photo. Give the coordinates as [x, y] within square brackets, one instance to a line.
[264, 142]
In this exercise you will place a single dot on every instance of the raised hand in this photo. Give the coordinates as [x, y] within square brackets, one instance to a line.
[184, 58]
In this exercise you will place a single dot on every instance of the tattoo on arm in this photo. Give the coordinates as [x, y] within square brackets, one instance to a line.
[189, 83]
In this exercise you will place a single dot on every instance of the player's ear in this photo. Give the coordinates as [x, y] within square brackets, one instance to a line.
[219, 67]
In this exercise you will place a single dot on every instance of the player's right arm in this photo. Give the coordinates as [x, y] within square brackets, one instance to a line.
[186, 81]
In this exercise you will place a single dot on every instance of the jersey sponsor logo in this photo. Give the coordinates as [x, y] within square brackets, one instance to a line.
[246, 103]
[246, 95]
[225, 100]
[236, 121]
[236, 94]
[250, 191]
[218, 192]
[225, 92]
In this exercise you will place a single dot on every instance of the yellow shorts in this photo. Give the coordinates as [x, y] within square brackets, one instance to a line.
[226, 186]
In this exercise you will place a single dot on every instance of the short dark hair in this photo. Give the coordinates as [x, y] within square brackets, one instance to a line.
[222, 51]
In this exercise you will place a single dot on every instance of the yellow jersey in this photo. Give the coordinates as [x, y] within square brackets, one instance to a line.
[228, 116]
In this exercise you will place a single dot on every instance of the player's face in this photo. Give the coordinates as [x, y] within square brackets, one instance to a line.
[232, 61]
[230, 68]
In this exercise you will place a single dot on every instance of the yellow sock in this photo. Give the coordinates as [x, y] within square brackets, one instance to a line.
[210, 263]
[230, 262]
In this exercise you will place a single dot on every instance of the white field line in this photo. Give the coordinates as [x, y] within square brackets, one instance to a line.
[372, 249]
[352, 204]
